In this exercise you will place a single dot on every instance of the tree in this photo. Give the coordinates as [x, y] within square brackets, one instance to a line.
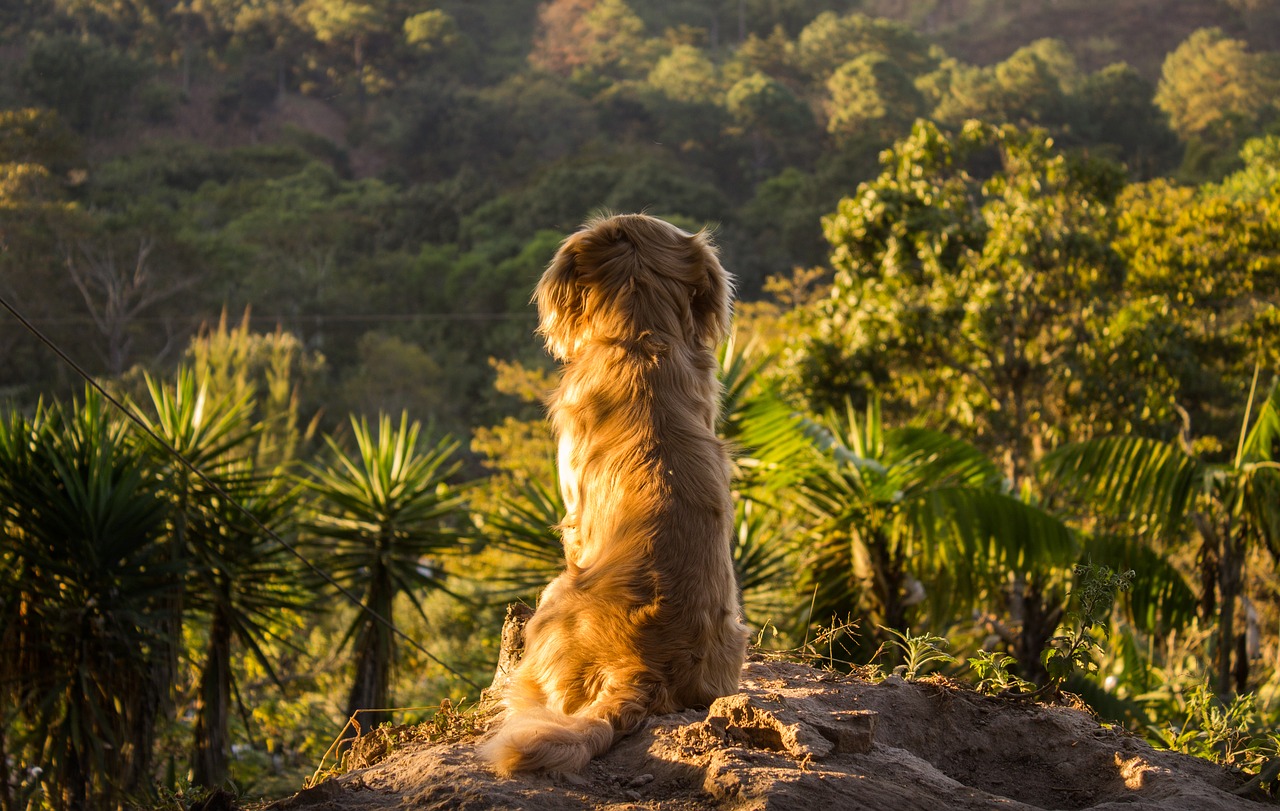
[1212, 88]
[1034, 86]
[119, 290]
[1114, 106]
[1208, 258]
[430, 30]
[970, 296]
[222, 523]
[591, 37]
[83, 576]
[90, 84]
[1232, 506]
[36, 151]
[871, 97]
[831, 40]
[686, 74]
[351, 23]
[898, 518]
[383, 521]
[394, 374]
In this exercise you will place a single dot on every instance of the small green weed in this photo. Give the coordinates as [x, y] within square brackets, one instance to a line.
[992, 670]
[917, 651]
[1097, 588]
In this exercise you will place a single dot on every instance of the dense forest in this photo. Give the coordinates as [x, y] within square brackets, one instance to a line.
[1004, 392]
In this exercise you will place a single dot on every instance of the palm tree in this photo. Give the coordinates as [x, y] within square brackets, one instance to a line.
[244, 583]
[382, 520]
[225, 528]
[524, 523]
[207, 433]
[84, 577]
[1232, 506]
[900, 517]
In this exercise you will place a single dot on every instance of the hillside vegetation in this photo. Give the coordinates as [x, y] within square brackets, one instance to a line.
[1005, 371]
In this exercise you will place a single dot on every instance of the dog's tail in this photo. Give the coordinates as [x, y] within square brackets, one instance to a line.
[540, 738]
[537, 734]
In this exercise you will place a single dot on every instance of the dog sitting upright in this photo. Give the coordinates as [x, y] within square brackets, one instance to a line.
[645, 618]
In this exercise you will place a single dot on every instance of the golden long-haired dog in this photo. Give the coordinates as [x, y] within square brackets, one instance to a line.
[644, 619]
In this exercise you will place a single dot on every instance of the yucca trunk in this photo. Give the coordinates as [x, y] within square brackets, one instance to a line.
[375, 649]
[209, 759]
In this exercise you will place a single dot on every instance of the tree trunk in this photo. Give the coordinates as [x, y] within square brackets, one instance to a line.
[73, 775]
[1242, 663]
[1037, 621]
[6, 782]
[1229, 571]
[510, 651]
[1207, 565]
[375, 649]
[209, 760]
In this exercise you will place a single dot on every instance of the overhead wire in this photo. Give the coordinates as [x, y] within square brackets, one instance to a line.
[137, 420]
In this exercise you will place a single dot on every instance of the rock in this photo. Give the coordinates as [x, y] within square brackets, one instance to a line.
[768, 723]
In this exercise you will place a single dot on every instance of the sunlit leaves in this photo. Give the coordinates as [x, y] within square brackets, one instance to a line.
[1211, 86]
[896, 516]
[978, 291]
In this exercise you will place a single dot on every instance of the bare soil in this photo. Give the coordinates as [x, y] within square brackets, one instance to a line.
[800, 738]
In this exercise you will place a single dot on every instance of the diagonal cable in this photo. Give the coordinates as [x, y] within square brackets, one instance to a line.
[182, 460]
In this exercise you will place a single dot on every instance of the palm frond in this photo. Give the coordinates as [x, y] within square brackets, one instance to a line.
[964, 529]
[1159, 597]
[1131, 478]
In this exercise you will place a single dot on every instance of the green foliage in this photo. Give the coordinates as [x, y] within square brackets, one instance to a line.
[993, 670]
[976, 293]
[887, 511]
[685, 74]
[84, 580]
[832, 40]
[918, 652]
[384, 523]
[224, 529]
[415, 167]
[430, 30]
[1153, 485]
[1228, 733]
[872, 97]
[1212, 87]
[1095, 593]
[90, 84]
[1033, 86]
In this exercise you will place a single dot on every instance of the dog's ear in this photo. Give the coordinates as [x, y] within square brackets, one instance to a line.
[560, 300]
[711, 305]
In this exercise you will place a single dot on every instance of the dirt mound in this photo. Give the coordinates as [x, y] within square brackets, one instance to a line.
[798, 738]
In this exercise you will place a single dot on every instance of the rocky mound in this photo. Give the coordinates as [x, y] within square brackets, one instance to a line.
[798, 738]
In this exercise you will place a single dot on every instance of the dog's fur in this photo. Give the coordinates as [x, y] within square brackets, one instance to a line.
[645, 618]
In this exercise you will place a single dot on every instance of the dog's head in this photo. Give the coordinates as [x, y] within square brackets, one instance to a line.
[632, 276]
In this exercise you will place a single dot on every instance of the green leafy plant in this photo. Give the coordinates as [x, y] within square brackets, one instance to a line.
[886, 511]
[1097, 587]
[83, 579]
[1228, 733]
[992, 670]
[917, 651]
[1231, 506]
[385, 517]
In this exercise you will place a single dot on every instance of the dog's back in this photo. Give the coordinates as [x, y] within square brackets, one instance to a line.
[644, 619]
